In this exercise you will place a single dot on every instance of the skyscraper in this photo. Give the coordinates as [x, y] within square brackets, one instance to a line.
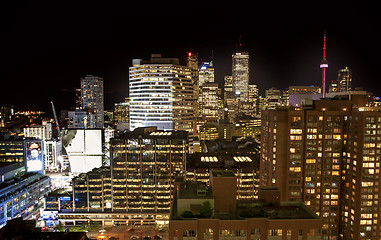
[161, 94]
[92, 97]
[192, 63]
[327, 157]
[210, 104]
[206, 73]
[344, 79]
[240, 74]
[144, 165]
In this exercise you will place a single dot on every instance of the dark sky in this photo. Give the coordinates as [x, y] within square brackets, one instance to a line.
[48, 45]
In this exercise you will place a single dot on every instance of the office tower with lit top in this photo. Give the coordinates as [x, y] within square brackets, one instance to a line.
[206, 73]
[240, 75]
[344, 79]
[192, 63]
[92, 98]
[161, 94]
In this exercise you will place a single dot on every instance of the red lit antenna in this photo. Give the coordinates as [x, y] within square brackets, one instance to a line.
[324, 46]
[324, 65]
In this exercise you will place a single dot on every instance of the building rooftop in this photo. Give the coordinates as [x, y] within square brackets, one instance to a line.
[223, 174]
[61, 192]
[156, 59]
[194, 190]
[94, 171]
[223, 160]
[286, 210]
[267, 206]
[153, 133]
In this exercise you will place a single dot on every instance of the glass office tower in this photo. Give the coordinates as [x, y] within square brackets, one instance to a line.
[161, 94]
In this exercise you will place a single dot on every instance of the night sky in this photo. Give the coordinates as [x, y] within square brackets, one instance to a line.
[48, 45]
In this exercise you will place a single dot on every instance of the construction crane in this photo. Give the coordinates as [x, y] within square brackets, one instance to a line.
[55, 118]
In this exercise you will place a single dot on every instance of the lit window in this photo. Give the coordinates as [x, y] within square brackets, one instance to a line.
[310, 160]
[295, 131]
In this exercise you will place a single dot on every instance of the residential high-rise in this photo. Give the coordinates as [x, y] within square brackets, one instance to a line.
[92, 98]
[240, 75]
[161, 94]
[344, 79]
[81, 119]
[327, 156]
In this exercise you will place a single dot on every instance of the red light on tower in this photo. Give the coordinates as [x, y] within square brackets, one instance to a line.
[324, 65]
[189, 54]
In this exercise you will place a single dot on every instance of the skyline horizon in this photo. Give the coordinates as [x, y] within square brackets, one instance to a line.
[50, 46]
[182, 62]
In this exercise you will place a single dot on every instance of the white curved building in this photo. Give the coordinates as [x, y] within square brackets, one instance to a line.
[161, 94]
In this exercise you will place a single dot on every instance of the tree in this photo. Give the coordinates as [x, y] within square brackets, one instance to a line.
[93, 226]
[187, 214]
[206, 210]
[60, 227]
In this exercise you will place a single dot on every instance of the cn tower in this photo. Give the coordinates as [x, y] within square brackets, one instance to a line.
[323, 66]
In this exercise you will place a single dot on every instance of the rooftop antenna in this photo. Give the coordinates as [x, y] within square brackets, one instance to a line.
[238, 47]
[324, 65]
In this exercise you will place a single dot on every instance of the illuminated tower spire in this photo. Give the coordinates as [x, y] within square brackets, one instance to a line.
[324, 66]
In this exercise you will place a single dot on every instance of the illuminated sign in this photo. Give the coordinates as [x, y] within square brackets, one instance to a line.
[34, 156]
[49, 215]
[65, 198]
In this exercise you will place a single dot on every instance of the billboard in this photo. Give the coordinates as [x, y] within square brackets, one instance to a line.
[34, 155]
[49, 215]
[84, 149]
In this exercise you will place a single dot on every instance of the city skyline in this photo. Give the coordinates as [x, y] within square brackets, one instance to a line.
[53, 50]
[199, 121]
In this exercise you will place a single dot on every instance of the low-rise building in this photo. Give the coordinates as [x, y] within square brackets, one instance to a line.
[202, 212]
[21, 195]
[244, 166]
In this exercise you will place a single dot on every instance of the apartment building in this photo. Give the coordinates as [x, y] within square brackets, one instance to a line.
[326, 156]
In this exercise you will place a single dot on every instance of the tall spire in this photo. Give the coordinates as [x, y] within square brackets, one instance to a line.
[324, 46]
[324, 65]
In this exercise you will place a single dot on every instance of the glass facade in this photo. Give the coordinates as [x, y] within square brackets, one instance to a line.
[161, 95]
[240, 75]
[143, 170]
